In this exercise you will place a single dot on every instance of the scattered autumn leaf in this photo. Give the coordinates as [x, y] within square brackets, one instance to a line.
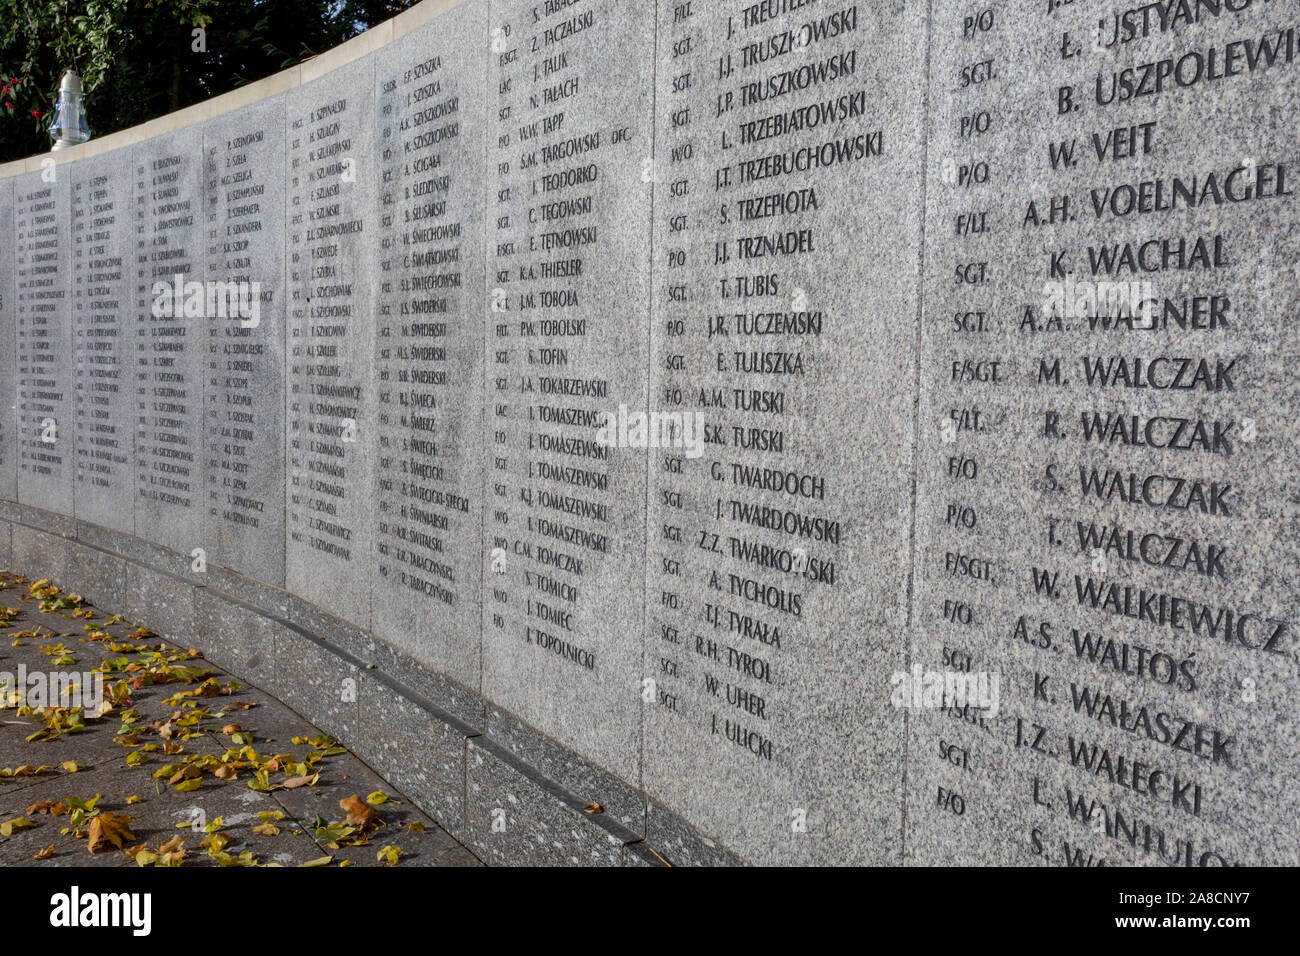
[189, 772]
[9, 827]
[359, 814]
[172, 845]
[109, 829]
[334, 832]
[52, 807]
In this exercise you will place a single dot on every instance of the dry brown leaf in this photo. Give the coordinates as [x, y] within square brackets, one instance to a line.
[172, 845]
[55, 808]
[188, 772]
[360, 814]
[109, 829]
[294, 782]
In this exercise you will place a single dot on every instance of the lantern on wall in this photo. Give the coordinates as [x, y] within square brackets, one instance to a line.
[69, 125]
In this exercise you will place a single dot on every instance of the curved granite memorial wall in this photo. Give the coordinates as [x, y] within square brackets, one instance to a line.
[814, 432]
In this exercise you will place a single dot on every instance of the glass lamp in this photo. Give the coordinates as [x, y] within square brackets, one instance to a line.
[69, 126]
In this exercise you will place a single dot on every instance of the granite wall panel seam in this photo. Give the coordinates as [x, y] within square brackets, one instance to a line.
[916, 409]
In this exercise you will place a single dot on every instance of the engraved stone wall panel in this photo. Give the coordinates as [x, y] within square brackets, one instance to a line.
[42, 260]
[243, 344]
[8, 355]
[332, 240]
[103, 339]
[787, 219]
[567, 331]
[171, 318]
[1106, 536]
[431, 118]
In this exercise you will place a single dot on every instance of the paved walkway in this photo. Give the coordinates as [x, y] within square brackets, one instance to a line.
[209, 773]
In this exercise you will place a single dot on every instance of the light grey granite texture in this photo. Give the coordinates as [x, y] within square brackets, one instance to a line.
[9, 443]
[777, 560]
[42, 254]
[431, 131]
[331, 239]
[243, 350]
[568, 250]
[104, 342]
[169, 274]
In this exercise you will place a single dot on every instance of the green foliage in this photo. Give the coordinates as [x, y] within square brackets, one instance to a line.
[142, 58]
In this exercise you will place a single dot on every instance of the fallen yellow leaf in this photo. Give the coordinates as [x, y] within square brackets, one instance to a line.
[109, 829]
[17, 823]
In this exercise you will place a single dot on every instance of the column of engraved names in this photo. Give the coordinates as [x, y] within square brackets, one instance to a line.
[42, 343]
[1174, 374]
[421, 324]
[1130, 621]
[101, 236]
[961, 417]
[9, 440]
[244, 366]
[549, 480]
[171, 313]
[766, 116]
[329, 342]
